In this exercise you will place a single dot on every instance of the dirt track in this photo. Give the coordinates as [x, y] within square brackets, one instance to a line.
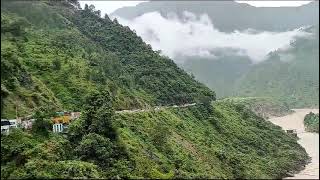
[310, 141]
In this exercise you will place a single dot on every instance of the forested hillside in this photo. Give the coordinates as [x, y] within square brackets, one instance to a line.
[221, 140]
[55, 56]
[54, 53]
[220, 74]
[290, 75]
[224, 141]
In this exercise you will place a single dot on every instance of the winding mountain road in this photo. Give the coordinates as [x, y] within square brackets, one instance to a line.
[310, 141]
[156, 108]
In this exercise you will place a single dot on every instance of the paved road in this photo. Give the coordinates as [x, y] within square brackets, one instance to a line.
[310, 141]
[156, 108]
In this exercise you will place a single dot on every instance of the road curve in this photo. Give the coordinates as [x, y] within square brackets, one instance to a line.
[310, 141]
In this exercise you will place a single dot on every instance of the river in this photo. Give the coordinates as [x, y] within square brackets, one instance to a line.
[310, 141]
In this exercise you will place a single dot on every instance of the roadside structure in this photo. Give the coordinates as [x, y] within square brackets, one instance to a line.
[6, 125]
[62, 120]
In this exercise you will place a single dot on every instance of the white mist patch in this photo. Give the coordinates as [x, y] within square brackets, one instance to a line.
[196, 36]
[286, 57]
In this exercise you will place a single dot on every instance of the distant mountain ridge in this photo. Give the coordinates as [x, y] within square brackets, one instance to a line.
[290, 75]
[240, 17]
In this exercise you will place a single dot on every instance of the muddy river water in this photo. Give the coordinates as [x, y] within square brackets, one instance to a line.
[310, 141]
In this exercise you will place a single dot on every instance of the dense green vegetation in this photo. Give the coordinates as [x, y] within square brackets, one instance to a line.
[53, 54]
[222, 140]
[90, 149]
[311, 122]
[220, 74]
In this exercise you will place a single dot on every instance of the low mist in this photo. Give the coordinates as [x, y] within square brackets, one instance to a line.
[194, 35]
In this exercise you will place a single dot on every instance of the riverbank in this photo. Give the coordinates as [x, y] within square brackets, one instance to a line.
[310, 141]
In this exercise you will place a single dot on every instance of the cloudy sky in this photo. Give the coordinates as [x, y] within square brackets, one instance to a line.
[194, 37]
[275, 3]
[198, 37]
[110, 6]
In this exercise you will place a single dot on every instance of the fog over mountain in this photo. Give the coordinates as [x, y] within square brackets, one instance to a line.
[229, 16]
[196, 35]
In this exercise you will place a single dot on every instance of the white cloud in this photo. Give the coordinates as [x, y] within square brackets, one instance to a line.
[109, 6]
[275, 3]
[197, 36]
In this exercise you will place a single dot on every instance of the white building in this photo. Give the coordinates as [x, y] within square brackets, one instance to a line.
[57, 127]
[13, 123]
[6, 125]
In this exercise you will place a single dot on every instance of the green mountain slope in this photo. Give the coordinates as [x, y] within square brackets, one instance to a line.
[74, 52]
[290, 75]
[243, 16]
[19, 88]
[219, 141]
[219, 74]
[228, 141]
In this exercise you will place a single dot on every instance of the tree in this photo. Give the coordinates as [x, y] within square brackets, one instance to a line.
[92, 8]
[42, 124]
[43, 169]
[99, 113]
[115, 21]
[56, 64]
[13, 146]
[160, 137]
[98, 13]
[206, 103]
[86, 7]
[106, 17]
[97, 117]
[77, 169]
[94, 147]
